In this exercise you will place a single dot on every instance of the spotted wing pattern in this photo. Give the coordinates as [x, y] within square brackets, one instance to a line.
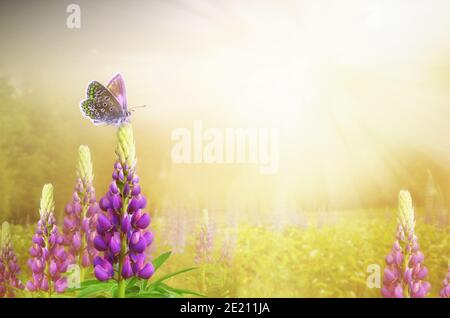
[101, 107]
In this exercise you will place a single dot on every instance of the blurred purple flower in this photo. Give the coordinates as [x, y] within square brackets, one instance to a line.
[445, 291]
[121, 229]
[9, 268]
[405, 274]
[48, 257]
[228, 247]
[204, 243]
[176, 230]
[81, 215]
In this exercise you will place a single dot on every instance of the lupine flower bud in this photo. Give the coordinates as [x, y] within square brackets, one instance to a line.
[81, 214]
[404, 275]
[121, 230]
[48, 258]
[9, 268]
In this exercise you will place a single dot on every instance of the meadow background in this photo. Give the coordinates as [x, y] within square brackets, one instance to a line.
[359, 91]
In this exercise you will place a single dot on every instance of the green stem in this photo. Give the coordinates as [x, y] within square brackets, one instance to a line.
[47, 271]
[404, 267]
[121, 289]
[83, 238]
[121, 281]
[123, 247]
[204, 279]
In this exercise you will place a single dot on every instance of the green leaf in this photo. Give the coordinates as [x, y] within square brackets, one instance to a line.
[132, 282]
[161, 259]
[149, 294]
[179, 291]
[90, 282]
[187, 292]
[96, 289]
[133, 289]
[170, 276]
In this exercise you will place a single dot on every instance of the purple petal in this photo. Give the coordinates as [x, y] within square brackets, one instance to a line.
[104, 203]
[61, 285]
[100, 244]
[126, 189]
[133, 205]
[149, 237]
[398, 292]
[147, 271]
[113, 188]
[115, 244]
[144, 221]
[101, 274]
[140, 246]
[116, 202]
[30, 286]
[126, 224]
[103, 223]
[53, 269]
[127, 271]
[136, 190]
[76, 241]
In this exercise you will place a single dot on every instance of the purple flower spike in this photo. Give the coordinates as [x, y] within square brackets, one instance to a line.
[9, 268]
[204, 241]
[81, 215]
[49, 261]
[445, 291]
[405, 274]
[121, 234]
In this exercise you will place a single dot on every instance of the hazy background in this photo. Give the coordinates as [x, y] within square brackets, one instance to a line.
[359, 89]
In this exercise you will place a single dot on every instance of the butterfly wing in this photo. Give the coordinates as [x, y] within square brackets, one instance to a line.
[117, 87]
[101, 107]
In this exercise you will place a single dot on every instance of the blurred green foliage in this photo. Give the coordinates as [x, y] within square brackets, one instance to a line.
[21, 162]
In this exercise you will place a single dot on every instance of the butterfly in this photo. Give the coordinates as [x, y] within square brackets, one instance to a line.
[106, 105]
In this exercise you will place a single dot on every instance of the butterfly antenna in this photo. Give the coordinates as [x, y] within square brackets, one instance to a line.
[133, 108]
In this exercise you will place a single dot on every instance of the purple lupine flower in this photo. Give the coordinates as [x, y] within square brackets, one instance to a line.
[404, 275]
[228, 247]
[176, 231]
[48, 257]
[445, 291]
[121, 228]
[81, 215]
[9, 268]
[204, 243]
